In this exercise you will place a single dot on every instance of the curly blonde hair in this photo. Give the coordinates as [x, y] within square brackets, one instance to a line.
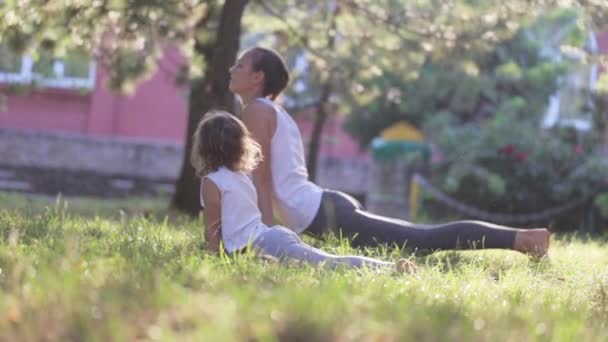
[221, 139]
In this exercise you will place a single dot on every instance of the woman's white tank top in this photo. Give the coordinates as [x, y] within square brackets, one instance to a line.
[296, 198]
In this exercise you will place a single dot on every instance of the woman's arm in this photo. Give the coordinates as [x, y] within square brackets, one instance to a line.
[260, 119]
[213, 214]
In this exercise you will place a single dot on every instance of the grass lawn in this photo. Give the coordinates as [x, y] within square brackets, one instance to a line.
[101, 270]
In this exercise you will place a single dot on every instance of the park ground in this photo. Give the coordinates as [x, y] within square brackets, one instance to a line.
[80, 269]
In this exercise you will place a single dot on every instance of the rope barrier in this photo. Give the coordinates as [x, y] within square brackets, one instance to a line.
[495, 217]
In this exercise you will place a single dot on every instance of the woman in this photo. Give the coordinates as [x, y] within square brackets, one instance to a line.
[258, 77]
[223, 155]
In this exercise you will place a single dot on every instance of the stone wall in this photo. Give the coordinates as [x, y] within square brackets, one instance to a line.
[349, 175]
[78, 165]
[388, 189]
[52, 163]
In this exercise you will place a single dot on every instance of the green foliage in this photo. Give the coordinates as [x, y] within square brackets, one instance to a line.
[44, 64]
[70, 277]
[397, 39]
[127, 37]
[507, 165]
[9, 61]
[510, 79]
[76, 64]
[371, 35]
[483, 111]
[601, 202]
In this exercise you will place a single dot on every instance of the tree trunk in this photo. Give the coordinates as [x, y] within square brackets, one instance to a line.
[317, 130]
[321, 115]
[210, 93]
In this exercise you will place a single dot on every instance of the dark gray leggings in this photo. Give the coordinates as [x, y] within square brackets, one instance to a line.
[342, 214]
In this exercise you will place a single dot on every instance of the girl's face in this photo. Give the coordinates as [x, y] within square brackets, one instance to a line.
[242, 77]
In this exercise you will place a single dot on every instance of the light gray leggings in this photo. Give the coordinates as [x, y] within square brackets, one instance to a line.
[284, 244]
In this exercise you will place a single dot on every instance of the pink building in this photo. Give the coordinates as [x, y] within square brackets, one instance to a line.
[156, 111]
[602, 43]
[92, 141]
[335, 142]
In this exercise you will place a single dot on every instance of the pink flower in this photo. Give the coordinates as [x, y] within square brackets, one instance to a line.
[507, 149]
[520, 156]
[579, 149]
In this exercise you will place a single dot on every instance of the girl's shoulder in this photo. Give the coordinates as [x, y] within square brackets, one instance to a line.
[225, 173]
[217, 175]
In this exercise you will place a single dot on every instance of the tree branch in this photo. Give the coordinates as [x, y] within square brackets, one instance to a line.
[292, 31]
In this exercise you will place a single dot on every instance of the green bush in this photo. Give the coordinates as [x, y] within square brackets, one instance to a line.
[483, 110]
[508, 165]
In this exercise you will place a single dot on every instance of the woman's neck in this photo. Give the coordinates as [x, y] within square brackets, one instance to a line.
[247, 99]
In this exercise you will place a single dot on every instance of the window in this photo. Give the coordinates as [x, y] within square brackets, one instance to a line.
[9, 61]
[75, 71]
[571, 105]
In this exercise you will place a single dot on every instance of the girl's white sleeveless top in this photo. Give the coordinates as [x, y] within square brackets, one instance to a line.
[240, 218]
[296, 198]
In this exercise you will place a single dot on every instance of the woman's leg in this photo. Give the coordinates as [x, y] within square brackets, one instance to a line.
[284, 244]
[342, 214]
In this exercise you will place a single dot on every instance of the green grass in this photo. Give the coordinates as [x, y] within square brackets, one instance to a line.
[86, 275]
[88, 206]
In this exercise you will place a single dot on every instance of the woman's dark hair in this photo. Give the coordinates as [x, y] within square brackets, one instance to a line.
[276, 75]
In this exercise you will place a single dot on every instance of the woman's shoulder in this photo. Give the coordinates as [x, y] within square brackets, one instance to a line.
[260, 107]
[265, 101]
[260, 118]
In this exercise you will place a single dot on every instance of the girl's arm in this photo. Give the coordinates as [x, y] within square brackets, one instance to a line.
[260, 119]
[213, 213]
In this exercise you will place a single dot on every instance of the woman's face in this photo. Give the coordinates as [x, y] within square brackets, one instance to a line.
[242, 76]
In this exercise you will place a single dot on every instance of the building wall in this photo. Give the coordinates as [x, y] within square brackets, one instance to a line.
[70, 141]
[157, 111]
[47, 110]
[335, 141]
[52, 162]
[602, 44]
[73, 164]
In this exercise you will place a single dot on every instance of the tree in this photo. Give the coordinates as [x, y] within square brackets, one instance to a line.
[128, 38]
[483, 111]
[322, 104]
[512, 77]
[369, 38]
[212, 92]
[382, 43]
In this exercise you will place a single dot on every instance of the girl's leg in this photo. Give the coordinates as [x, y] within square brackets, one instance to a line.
[284, 244]
[342, 214]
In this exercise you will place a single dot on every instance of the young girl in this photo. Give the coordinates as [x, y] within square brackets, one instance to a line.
[223, 155]
[258, 77]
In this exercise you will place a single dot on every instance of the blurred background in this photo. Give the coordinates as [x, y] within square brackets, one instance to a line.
[426, 110]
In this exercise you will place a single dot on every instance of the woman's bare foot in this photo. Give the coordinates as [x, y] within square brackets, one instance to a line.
[534, 242]
[404, 266]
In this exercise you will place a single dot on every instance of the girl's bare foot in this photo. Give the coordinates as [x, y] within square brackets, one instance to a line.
[404, 266]
[534, 242]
